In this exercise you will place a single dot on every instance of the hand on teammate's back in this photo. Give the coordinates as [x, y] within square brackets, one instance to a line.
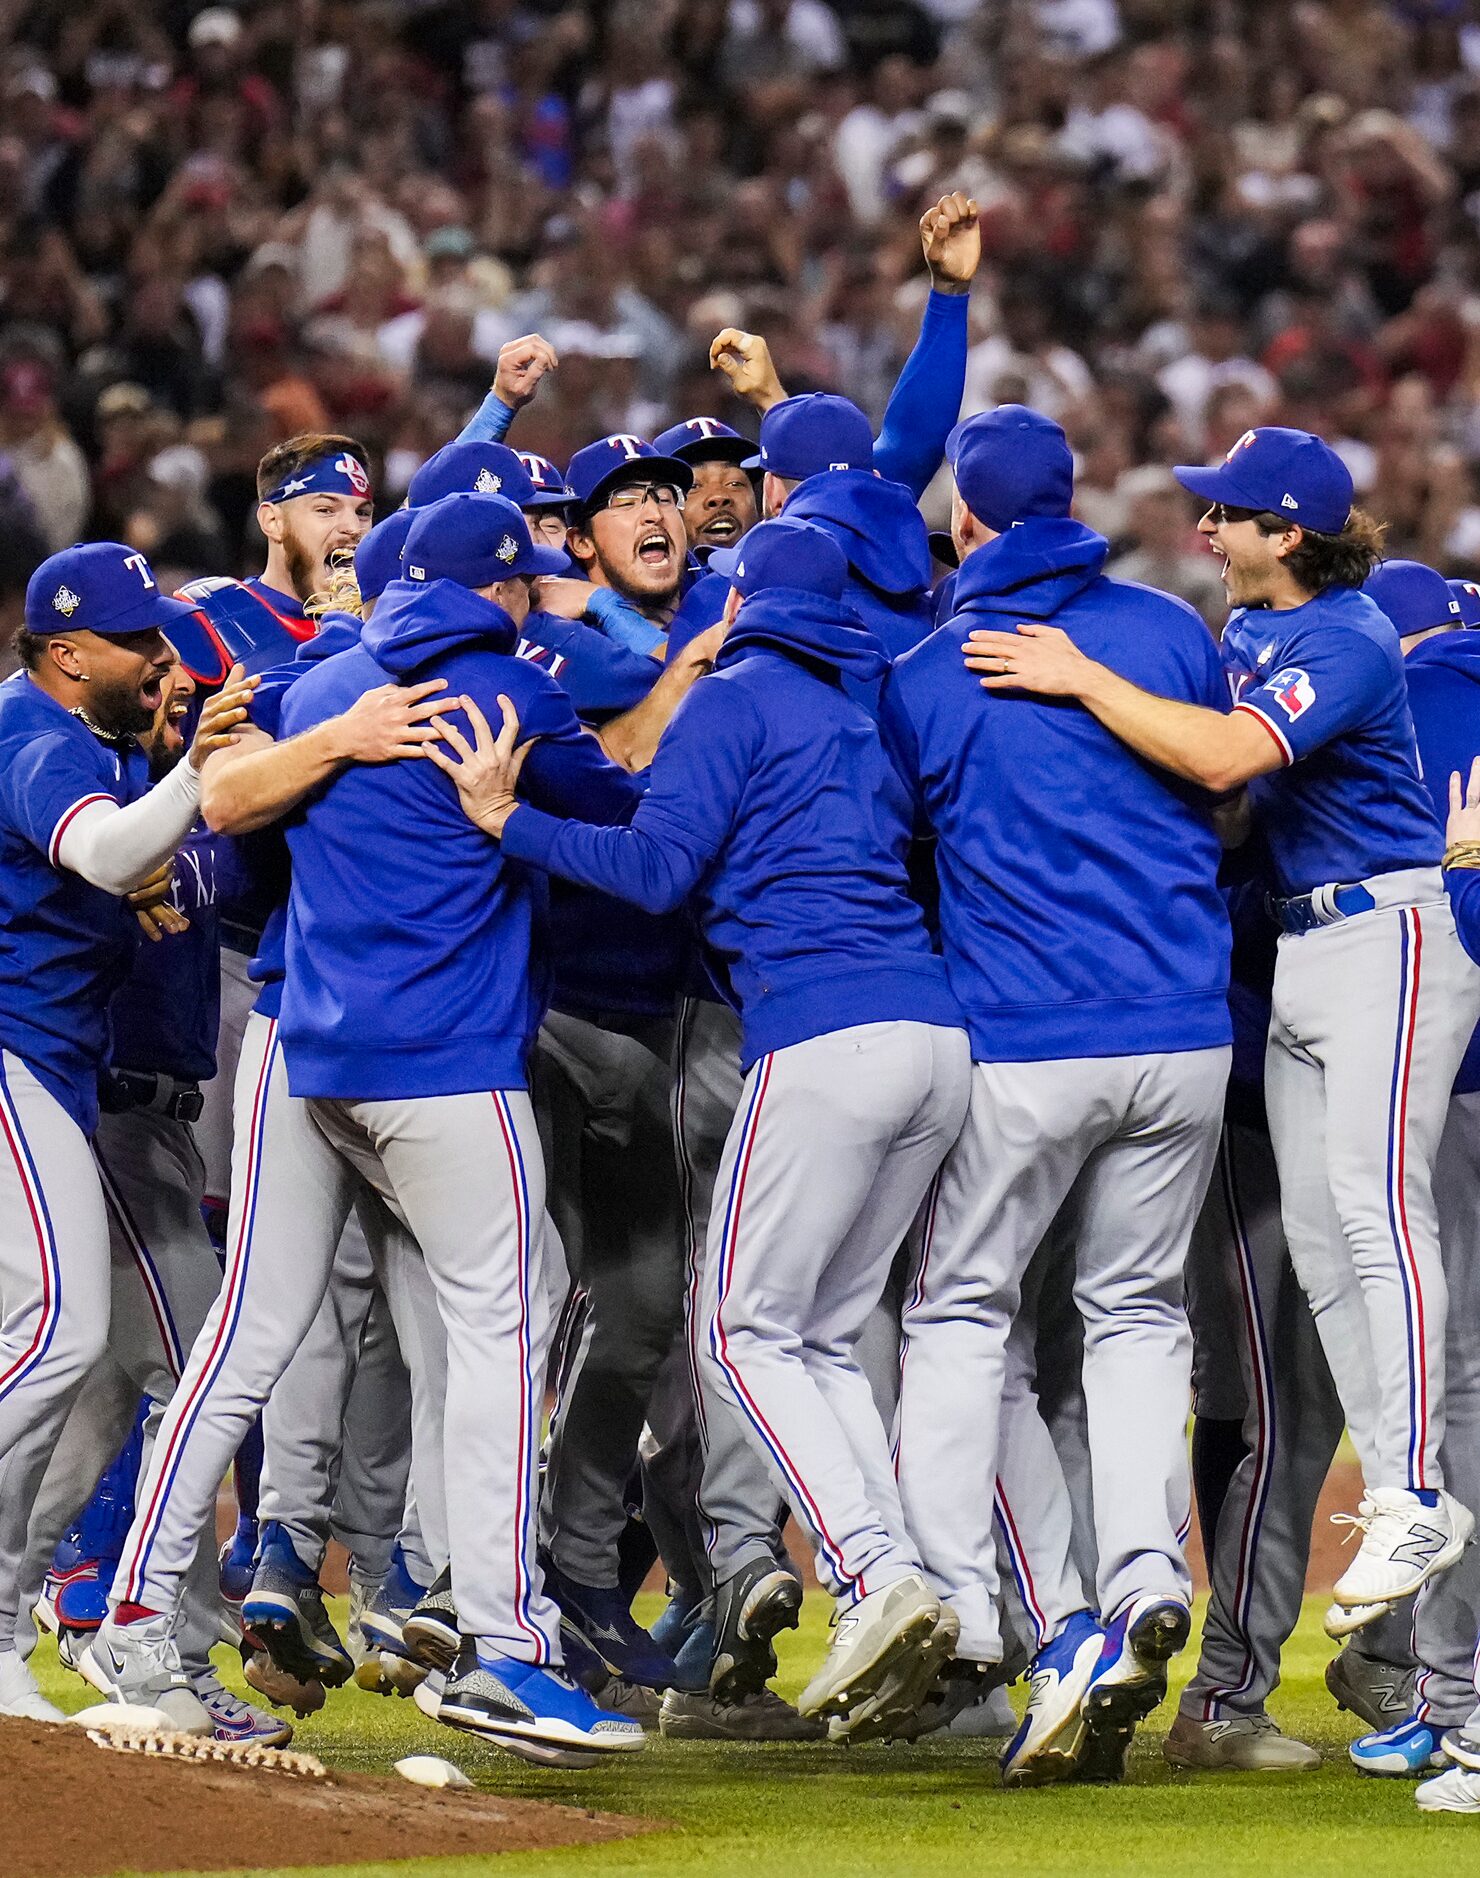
[389, 722]
[487, 770]
[1464, 807]
[221, 716]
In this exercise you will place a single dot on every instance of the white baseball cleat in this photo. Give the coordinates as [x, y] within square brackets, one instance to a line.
[877, 1644]
[1345, 1620]
[1455, 1791]
[20, 1693]
[1405, 1543]
[1049, 1743]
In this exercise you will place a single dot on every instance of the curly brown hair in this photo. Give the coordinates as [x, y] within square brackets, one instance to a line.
[1322, 561]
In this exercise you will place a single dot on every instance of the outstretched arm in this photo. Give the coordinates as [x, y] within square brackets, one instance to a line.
[522, 363]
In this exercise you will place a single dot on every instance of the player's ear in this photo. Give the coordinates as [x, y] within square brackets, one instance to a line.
[579, 543]
[1290, 541]
[270, 520]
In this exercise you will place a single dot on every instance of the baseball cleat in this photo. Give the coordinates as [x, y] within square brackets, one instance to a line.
[693, 1715]
[1462, 1747]
[260, 1673]
[1342, 1621]
[602, 1617]
[989, 1719]
[20, 1694]
[139, 1663]
[384, 1665]
[1051, 1737]
[284, 1612]
[1399, 1753]
[431, 1633]
[1380, 1693]
[1246, 1744]
[1130, 1679]
[81, 1600]
[891, 1713]
[875, 1643]
[533, 1710]
[960, 1686]
[1405, 1543]
[236, 1720]
[750, 1608]
[1457, 1791]
[388, 1673]
[632, 1699]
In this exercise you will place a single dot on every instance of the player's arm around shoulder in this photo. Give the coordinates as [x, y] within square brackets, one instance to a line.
[260, 779]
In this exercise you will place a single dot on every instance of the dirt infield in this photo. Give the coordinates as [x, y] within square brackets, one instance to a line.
[77, 1811]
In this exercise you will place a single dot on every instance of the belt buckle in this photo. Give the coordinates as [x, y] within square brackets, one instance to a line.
[187, 1105]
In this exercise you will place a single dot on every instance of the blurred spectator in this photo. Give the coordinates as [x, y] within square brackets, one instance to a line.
[1164, 550]
[223, 224]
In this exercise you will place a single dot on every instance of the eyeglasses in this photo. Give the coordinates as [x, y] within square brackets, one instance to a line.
[633, 495]
[1222, 513]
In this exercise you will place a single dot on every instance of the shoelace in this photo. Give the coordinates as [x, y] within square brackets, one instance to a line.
[1364, 1519]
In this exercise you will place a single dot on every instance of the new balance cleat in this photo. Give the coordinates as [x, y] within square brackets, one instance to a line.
[881, 1646]
[1051, 1736]
[750, 1608]
[605, 1622]
[532, 1710]
[1246, 1744]
[140, 1663]
[695, 1715]
[1380, 1693]
[1342, 1620]
[431, 1633]
[284, 1612]
[1130, 1679]
[1405, 1543]
[235, 1720]
[1399, 1753]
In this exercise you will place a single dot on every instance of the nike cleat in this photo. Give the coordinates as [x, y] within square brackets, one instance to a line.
[1403, 1752]
[750, 1608]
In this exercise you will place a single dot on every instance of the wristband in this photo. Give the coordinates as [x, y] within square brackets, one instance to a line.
[1462, 854]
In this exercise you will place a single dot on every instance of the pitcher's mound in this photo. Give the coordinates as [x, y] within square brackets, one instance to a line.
[73, 1810]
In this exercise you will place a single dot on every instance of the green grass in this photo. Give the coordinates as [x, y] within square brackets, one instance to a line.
[820, 1812]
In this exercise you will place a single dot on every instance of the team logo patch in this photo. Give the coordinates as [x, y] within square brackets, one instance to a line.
[507, 550]
[352, 468]
[65, 601]
[1292, 691]
[488, 484]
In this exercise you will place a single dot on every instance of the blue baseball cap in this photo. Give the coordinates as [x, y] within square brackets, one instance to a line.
[474, 540]
[817, 431]
[621, 458]
[705, 440]
[1467, 592]
[482, 469]
[1011, 464]
[549, 489]
[1414, 597]
[1278, 472]
[101, 587]
[784, 554]
[378, 557]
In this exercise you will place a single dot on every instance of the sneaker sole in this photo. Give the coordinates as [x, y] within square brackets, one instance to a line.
[431, 1641]
[385, 1673]
[865, 1678]
[898, 1701]
[275, 1625]
[1445, 1806]
[553, 1737]
[696, 1728]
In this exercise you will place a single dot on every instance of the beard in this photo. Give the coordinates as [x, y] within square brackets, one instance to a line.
[117, 709]
[303, 569]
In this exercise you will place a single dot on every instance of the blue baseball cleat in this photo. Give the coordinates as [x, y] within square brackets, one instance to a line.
[236, 1562]
[1129, 1680]
[535, 1712]
[1051, 1739]
[284, 1612]
[1404, 1752]
[607, 1626]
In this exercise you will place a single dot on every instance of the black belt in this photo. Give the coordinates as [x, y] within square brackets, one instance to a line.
[158, 1095]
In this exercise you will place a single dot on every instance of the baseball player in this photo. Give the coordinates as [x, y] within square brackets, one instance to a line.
[81, 826]
[407, 1012]
[1374, 999]
[1089, 948]
[721, 504]
[771, 800]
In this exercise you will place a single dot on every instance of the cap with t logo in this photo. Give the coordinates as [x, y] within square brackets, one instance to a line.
[101, 587]
[604, 465]
[1278, 472]
[704, 440]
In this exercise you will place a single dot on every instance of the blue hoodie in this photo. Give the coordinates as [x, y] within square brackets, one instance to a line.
[773, 803]
[883, 534]
[1444, 697]
[409, 932]
[1079, 903]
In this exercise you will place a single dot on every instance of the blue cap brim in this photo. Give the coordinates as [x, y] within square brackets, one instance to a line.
[1215, 485]
[548, 499]
[154, 610]
[546, 561]
[737, 450]
[641, 469]
[724, 561]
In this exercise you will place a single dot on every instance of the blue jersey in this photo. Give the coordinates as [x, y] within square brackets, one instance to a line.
[1079, 905]
[601, 678]
[65, 946]
[166, 1014]
[1444, 695]
[1326, 681]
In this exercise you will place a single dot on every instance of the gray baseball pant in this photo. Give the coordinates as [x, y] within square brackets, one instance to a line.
[1258, 1360]
[214, 1131]
[463, 1174]
[832, 1150]
[1371, 1018]
[1133, 1139]
[603, 1092]
[336, 1430]
[1446, 1620]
